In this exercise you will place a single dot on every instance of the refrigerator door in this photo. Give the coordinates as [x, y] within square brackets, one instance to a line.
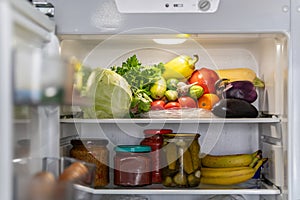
[24, 31]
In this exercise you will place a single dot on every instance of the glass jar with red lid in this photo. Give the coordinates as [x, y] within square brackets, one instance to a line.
[154, 139]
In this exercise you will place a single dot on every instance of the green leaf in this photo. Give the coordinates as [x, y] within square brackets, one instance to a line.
[140, 78]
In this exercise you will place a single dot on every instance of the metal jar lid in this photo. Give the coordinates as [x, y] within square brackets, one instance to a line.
[174, 135]
[90, 142]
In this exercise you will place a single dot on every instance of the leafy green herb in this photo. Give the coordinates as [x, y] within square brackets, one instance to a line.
[140, 78]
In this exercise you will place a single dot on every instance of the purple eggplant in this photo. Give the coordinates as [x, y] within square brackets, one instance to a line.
[234, 108]
[244, 90]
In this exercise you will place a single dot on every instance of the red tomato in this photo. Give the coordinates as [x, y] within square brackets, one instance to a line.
[206, 78]
[172, 105]
[187, 102]
[157, 105]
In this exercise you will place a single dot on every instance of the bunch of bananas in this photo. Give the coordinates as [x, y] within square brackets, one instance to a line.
[230, 169]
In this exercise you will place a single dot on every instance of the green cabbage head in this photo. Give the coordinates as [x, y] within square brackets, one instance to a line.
[110, 94]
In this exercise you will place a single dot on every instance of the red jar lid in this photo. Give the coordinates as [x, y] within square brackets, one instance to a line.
[158, 131]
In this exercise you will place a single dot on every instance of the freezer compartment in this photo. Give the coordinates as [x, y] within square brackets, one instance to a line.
[264, 53]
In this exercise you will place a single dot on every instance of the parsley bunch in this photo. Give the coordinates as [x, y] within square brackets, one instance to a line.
[140, 78]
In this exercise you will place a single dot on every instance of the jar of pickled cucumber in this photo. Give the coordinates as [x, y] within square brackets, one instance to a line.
[93, 151]
[181, 160]
[154, 139]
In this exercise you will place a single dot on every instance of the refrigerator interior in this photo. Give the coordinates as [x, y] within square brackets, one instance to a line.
[265, 53]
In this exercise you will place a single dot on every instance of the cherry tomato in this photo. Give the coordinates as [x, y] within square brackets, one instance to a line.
[172, 105]
[187, 102]
[157, 105]
[206, 78]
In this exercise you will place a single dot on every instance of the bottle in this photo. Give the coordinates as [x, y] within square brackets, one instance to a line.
[132, 165]
[182, 160]
[154, 139]
[93, 151]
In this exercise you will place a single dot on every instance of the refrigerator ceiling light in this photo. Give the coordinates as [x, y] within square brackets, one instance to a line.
[169, 41]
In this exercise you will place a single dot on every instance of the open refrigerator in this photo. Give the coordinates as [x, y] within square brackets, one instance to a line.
[260, 35]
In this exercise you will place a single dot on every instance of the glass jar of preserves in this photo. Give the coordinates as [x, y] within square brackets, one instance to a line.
[154, 139]
[93, 151]
[132, 165]
[182, 160]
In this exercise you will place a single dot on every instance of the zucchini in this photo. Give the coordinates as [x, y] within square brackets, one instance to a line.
[240, 74]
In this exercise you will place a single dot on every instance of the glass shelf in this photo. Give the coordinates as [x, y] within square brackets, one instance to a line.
[248, 188]
[173, 120]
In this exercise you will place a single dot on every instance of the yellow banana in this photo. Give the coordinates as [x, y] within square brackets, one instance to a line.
[227, 173]
[256, 159]
[215, 169]
[180, 67]
[226, 180]
[234, 160]
[230, 177]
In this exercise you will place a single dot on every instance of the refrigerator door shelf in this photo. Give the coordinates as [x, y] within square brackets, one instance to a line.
[273, 169]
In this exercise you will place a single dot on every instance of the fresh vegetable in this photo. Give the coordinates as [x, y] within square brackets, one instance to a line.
[196, 91]
[157, 105]
[171, 95]
[171, 155]
[193, 180]
[110, 94]
[207, 101]
[187, 162]
[81, 75]
[244, 90]
[234, 108]
[172, 83]
[172, 105]
[240, 74]
[158, 89]
[183, 88]
[180, 67]
[187, 102]
[180, 179]
[206, 78]
[140, 78]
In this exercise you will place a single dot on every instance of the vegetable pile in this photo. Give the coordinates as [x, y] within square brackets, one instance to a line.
[133, 89]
